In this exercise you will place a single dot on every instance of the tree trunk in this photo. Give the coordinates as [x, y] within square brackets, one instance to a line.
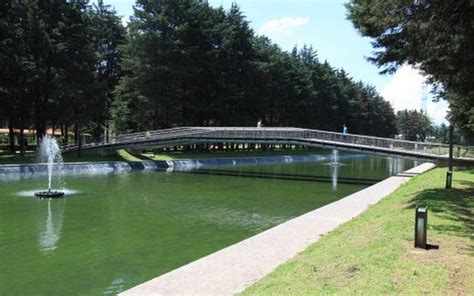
[61, 127]
[66, 134]
[40, 131]
[98, 131]
[76, 133]
[11, 135]
[53, 128]
[39, 121]
[21, 139]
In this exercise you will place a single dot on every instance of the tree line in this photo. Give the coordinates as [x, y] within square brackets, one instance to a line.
[60, 65]
[414, 125]
[187, 63]
[74, 65]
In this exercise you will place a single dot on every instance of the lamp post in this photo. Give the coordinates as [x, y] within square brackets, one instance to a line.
[449, 174]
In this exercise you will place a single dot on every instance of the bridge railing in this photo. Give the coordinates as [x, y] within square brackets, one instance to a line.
[395, 144]
[335, 137]
[279, 133]
[136, 138]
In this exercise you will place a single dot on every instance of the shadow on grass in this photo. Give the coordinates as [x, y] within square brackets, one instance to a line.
[140, 157]
[454, 205]
[73, 157]
[8, 158]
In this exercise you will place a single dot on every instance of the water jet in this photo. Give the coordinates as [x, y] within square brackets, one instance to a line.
[49, 151]
[335, 157]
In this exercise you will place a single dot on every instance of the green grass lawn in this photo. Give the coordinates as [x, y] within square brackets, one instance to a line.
[72, 157]
[374, 254]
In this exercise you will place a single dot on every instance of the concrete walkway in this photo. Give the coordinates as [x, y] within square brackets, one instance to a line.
[234, 268]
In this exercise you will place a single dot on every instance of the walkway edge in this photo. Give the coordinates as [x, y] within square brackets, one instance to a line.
[231, 270]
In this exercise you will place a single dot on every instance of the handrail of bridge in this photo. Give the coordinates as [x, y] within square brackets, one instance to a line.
[268, 133]
[335, 137]
[129, 136]
[138, 137]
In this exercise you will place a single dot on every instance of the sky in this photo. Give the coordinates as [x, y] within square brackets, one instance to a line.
[323, 24]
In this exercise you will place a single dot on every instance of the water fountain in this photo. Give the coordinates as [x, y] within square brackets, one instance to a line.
[50, 152]
[335, 158]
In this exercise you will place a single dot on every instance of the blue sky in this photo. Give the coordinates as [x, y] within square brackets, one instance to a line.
[323, 24]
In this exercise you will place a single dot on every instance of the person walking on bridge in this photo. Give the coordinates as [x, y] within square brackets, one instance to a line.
[259, 123]
[345, 130]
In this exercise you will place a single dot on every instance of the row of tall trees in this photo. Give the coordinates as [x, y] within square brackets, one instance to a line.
[60, 64]
[187, 63]
[73, 65]
[414, 125]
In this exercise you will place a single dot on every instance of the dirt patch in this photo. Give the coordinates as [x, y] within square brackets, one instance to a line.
[352, 271]
[454, 258]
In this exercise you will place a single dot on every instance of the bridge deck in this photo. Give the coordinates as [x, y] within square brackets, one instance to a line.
[297, 136]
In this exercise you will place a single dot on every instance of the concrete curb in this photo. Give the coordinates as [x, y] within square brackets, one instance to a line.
[231, 270]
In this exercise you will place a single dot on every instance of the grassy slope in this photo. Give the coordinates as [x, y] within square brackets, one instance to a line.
[374, 254]
[31, 158]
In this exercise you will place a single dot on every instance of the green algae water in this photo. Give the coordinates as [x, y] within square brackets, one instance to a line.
[119, 230]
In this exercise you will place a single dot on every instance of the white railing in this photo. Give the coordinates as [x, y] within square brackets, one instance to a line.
[276, 133]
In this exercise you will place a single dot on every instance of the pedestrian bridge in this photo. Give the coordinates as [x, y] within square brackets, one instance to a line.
[185, 136]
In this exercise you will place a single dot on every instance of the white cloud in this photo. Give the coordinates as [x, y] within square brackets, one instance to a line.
[405, 91]
[282, 26]
[438, 111]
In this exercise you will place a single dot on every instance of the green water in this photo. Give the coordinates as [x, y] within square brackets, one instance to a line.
[120, 230]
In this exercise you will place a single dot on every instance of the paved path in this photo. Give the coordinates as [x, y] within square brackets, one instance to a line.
[234, 268]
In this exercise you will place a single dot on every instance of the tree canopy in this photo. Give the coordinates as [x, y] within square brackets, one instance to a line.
[74, 65]
[436, 36]
[60, 64]
[187, 63]
[414, 125]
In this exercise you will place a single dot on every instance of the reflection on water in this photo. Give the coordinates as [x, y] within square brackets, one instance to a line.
[324, 178]
[49, 237]
[398, 165]
[334, 170]
[120, 230]
[335, 159]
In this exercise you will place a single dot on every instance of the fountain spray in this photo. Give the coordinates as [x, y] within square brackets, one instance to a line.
[50, 153]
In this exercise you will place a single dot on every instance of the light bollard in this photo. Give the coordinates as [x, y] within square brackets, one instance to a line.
[449, 179]
[421, 221]
[449, 175]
